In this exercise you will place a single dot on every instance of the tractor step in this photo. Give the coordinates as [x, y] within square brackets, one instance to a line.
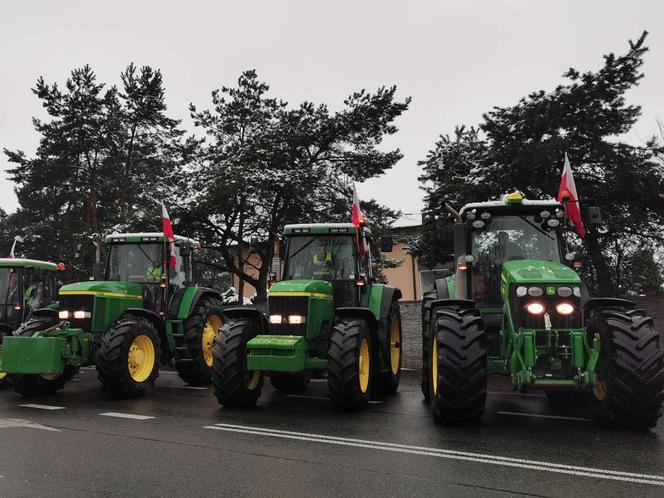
[276, 353]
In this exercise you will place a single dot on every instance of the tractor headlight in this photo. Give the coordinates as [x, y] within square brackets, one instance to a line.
[296, 319]
[535, 291]
[535, 308]
[564, 291]
[521, 291]
[80, 315]
[275, 319]
[553, 223]
[63, 314]
[565, 308]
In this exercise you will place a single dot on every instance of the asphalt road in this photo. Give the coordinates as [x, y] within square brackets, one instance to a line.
[180, 442]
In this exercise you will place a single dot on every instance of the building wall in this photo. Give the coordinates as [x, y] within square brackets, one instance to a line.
[406, 276]
[252, 259]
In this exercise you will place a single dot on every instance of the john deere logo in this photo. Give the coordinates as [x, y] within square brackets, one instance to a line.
[550, 291]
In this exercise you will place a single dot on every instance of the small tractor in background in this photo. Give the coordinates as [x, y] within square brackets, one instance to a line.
[142, 314]
[26, 285]
[514, 307]
[327, 314]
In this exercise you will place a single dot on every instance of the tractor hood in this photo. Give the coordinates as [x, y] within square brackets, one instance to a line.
[308, 287]
[533, 271]
[104, 288]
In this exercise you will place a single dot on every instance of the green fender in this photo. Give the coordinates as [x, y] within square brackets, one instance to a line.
[186, 299]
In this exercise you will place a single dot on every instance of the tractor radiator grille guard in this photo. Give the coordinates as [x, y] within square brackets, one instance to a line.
[287, 306]
[78, 302]
[523, 319]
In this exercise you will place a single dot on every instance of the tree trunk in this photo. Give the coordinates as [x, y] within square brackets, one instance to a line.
[602, 270]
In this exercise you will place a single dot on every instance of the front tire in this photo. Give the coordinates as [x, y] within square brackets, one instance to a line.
[458, 367]
[388, 381]
[630, 372]
[350, 364]
[234, 385]
[128, 362]
[200, 330]
[39, 384]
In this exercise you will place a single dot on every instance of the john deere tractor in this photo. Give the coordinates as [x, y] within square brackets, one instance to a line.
[328, 314]
[516, 307]
[143, 314]
[26, 285]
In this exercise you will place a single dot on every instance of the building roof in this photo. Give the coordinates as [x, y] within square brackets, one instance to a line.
[146, 237]
[27, 263]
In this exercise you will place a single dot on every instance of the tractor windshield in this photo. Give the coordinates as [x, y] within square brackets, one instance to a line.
[140, 263]
[508, 238]
[320, 257]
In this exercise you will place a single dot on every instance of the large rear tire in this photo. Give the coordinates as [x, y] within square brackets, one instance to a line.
[3, 375]
[128, 361]
[350, 364]
[458, 366]
[630, 372]
[427, 334]
[200, 330]
[388, 381]
[234, 385]
[290, 383]
[39, 384]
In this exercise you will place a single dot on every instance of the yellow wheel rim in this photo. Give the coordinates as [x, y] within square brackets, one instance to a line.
[141, 358]
[395, 347]
[434, 366]
[363, 365]
[599, 390]
[49, 376]
[3, 375]
[252, 381]
[210, 331]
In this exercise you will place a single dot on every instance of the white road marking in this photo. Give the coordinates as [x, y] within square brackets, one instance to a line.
[43, 407]
[193, 387]
[304, 396]
[317, 380]
[17, 422]
[537, 415]
[597, 473]
[125, 415]
[511, 393]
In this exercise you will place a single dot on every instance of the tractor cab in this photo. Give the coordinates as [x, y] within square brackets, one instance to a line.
[25, 285]
[329, 254]
[512, 230]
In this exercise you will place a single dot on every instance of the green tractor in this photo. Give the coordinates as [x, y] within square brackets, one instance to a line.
[515, 307]
[26, 285]
[143, 314]
[327, 315]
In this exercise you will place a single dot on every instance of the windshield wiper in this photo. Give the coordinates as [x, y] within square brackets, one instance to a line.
[146, 255]
[539, 229]
[302, 248]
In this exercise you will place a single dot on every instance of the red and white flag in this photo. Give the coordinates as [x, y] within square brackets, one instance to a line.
[168, 234]
[570, 199]
[358, 221]
[11, 253]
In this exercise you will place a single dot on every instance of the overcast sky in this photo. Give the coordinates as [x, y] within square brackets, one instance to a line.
[456, 59]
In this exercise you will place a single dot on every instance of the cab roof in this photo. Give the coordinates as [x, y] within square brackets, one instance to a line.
[505, 203]
[322, 228]
[27, 263]
[146, 237]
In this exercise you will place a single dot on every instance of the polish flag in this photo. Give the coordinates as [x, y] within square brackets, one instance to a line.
[358, 220]
[570, 199]
[168, 234]
[11, 253]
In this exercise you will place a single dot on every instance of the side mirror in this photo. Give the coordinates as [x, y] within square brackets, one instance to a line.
[428, 220]
[386, 244]
[594, 215]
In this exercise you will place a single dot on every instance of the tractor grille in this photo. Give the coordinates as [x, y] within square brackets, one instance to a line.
[284, 306]
[526, 320]
[79, 302]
